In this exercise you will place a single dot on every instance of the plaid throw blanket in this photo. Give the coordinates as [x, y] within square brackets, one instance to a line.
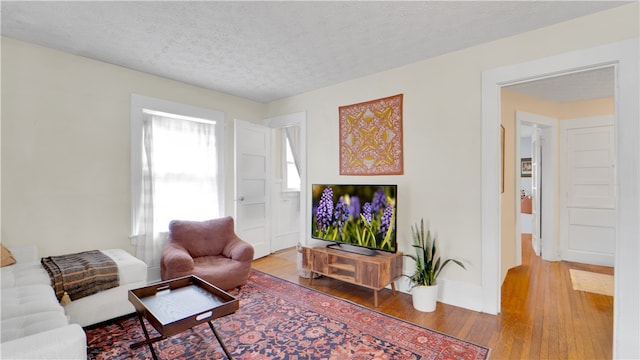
[78, 275]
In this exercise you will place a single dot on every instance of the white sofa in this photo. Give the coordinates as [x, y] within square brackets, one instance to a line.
[35, 326]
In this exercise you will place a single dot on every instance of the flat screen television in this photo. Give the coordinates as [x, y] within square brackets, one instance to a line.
[357, 218]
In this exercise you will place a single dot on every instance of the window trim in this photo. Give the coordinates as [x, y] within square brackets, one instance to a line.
[140, 103]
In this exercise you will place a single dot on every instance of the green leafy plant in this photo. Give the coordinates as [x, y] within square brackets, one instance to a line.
[428, 265]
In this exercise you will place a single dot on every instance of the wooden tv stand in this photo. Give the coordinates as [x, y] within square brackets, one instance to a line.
[374, 272]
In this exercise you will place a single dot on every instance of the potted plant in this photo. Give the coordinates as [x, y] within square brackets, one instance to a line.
[428, 266]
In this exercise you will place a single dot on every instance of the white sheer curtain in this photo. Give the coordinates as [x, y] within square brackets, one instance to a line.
[293, 135]
[179, 179]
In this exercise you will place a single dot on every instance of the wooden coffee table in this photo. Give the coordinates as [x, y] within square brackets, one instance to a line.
[174, 306]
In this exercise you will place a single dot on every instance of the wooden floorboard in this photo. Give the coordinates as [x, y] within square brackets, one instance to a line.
[542, 316]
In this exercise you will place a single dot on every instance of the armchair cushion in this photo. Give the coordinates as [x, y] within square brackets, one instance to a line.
[208, 249]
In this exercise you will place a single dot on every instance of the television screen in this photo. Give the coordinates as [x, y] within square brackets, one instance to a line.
[358, 215]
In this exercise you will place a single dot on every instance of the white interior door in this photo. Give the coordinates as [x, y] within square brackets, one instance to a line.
[536, 177]
[252, 148]
[588, 205]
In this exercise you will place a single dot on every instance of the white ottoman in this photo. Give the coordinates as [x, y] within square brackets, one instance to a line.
[112, 303]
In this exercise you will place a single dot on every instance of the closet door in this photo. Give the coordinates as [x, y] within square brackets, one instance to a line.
[252, 149]
[588, 204]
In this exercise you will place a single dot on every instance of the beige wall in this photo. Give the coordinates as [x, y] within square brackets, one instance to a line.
[605, 106]
[442, 125]
[510, 103]
[65, 145]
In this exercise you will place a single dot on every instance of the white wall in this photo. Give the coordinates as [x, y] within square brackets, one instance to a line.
[65, 146]
[442, 127]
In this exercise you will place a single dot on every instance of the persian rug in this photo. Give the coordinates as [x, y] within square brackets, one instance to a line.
[592, 282]
[371, 137]
[278, 319]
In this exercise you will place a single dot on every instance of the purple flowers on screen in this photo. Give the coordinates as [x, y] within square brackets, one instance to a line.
[341, 214]
[325, 209]
[379, 200]
[343, 219]
[386, 219]
[367, 212]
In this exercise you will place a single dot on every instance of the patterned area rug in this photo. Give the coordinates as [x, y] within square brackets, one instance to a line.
[278, 319]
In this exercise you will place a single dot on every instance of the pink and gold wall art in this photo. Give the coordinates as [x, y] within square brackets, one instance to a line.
[371, 137]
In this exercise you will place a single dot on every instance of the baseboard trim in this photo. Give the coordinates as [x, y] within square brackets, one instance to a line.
[451, 292]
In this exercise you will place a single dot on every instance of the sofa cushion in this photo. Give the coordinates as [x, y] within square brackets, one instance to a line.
[68, 342]
[23, 300]
[29, 324]
[6, 257]
[23, 274]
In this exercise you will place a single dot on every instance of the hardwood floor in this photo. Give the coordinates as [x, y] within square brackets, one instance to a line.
[542, 316]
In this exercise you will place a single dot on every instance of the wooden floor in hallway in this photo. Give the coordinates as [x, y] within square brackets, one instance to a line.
[542, 316]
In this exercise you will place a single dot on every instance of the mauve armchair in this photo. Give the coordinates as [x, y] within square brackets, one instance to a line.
[208, 249]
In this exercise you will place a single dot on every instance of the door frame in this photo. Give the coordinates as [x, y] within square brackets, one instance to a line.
[550, 184]
[299, 119]
[623, 54]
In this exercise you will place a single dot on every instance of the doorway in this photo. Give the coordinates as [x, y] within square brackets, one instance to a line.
[624, 55]
[289, 151]
[536, 141]
[580, 165]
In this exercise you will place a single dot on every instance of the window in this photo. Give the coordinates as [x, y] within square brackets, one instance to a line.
[183, 167]
[176, 170]
[291, 176]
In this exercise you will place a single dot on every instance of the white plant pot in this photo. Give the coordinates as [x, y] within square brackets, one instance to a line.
[425, 297]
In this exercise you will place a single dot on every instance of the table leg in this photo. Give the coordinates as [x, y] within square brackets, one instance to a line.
[149, 341]
[224, 348]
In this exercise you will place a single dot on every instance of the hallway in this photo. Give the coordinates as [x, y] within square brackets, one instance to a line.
[554, 320]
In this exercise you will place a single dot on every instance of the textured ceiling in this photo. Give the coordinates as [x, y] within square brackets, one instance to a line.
[266, 51]
[579, 86]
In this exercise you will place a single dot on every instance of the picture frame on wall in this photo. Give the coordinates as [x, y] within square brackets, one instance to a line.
[525, 167]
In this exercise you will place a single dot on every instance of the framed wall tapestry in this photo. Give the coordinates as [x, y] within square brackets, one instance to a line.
[371, 137]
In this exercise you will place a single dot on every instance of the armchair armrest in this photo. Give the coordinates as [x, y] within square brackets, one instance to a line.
[238, 249]
[176, 258]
